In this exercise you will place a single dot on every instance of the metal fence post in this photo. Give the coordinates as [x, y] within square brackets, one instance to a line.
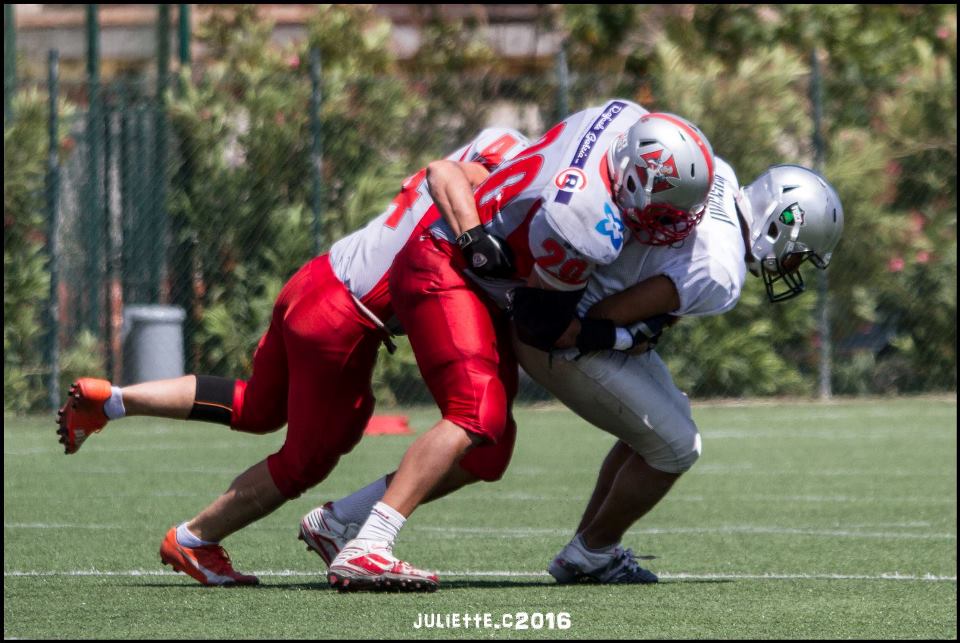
[114, 290]
[563, 84]
[52, 322]
[316, 151]
[823, 294]
[92, 229]
[183, 34]
[9, 60]
[183, 258]
[159, 174]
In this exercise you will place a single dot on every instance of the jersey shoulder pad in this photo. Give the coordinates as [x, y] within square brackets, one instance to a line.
[494, 145]
[596, 233]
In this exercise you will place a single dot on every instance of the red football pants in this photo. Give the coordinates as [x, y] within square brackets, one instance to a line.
[463, 348]
[312, 371]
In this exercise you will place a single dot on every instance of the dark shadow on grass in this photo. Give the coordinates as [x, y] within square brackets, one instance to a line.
[465, 583]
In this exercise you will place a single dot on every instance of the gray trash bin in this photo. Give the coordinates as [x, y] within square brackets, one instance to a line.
[152, 343]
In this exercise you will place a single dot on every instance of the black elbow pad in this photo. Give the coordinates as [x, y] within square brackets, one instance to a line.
[541, 316]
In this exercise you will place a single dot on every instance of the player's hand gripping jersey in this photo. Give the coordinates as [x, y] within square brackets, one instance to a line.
[362, 259]
[553, 202]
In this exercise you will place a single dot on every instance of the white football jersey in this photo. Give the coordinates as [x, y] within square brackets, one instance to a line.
[708, 268]
[362, 259]
[553, 203]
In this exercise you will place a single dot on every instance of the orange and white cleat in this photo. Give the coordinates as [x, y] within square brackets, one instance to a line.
[82, 414]
[324, 534]
[210, 564]
[369, 565]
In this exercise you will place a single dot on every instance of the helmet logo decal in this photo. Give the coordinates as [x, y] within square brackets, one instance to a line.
[611, 226]
[792, 214]
[665, 175]
[571, 179]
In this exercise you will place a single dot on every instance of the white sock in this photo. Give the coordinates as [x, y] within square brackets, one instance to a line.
[383, 524]
[186, 538]
[357, 506]
[596, 557]
[113, 407]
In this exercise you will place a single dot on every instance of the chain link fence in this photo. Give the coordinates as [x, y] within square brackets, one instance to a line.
[207, 190]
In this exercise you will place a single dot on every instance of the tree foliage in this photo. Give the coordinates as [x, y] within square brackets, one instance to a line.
[743, 74]
[26, 273]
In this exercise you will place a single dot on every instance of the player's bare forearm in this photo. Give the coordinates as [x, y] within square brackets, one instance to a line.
[655, 296]
[451, 186]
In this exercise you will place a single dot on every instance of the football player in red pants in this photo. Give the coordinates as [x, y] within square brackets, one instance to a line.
[311, 370]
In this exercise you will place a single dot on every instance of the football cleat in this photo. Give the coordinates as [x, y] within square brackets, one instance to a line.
[325, 534]
[370, 565]
[82, 414]
[210, 564]
[570, 566]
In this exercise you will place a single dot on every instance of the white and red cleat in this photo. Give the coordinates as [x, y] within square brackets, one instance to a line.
[210, 564]
[371, 565]
[82, 414]
[325, 534]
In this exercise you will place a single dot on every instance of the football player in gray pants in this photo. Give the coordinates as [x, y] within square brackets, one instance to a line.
[788, 216]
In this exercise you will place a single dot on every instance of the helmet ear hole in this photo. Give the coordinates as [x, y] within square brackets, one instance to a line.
[631, 184]
[773, 231]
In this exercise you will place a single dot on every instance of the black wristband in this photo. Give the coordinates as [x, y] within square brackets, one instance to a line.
[470, 236]
[596, 335]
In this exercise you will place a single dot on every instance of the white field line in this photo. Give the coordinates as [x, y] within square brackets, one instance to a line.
[520, 496]
[121, 471]
[725, 529]
[124, 449]
[750, 470]
[525, 532]
[870, 500]
[288, 573]
[844, 433]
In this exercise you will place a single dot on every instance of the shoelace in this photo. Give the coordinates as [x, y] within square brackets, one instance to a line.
[220, 552]
[628, 560]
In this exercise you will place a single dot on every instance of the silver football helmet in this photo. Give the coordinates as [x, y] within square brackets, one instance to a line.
[662, 170]
[795, 216]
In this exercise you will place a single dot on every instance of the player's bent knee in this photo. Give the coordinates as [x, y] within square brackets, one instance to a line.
[480, 407]
[690, 455]
[676, 451]
[293, 478]
[686, 452]
[257, 417]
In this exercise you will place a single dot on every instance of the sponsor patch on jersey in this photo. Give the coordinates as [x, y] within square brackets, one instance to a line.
[611, 226]
[588, 144]
[571, 178]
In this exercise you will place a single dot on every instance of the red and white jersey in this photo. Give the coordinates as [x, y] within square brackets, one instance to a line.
[362, 259]
[708, 268]
[553, 203]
